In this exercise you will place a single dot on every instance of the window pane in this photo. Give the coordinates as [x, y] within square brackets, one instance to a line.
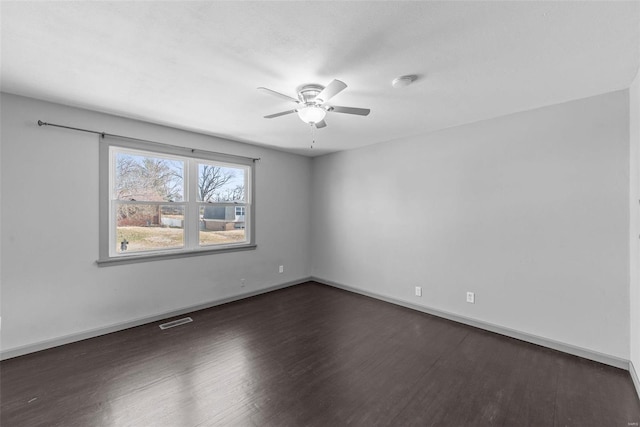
[220, 183]
[149, 227]
[148, 178]
[220, 225]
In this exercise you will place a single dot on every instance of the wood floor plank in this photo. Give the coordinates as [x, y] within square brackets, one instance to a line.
[311, 355]
[483, 382]
[589, 392]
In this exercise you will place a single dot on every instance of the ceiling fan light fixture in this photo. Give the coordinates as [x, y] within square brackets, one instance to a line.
[312, 114]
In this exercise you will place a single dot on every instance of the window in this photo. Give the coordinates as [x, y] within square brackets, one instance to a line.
[240, 214]
[169, 201]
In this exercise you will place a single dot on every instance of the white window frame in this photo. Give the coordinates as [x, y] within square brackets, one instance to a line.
[192, 247]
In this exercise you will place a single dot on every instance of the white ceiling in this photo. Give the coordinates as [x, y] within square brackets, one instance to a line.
[196, 65]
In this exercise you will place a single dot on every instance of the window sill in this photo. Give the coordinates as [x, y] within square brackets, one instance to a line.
[133, 259]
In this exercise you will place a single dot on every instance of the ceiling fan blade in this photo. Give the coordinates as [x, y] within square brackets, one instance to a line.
[284, 113]
[281, 95]
[350, 110]
[332, 89]
[321, 124]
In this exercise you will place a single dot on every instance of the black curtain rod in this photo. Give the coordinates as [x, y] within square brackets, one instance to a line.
[103, 134]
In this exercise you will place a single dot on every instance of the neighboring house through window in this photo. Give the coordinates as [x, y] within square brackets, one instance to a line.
[239, 214]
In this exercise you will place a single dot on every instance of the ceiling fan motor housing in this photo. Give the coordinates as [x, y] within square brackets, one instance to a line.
[307, 93]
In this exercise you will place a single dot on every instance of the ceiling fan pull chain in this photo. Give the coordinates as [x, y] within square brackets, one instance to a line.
[313, 134]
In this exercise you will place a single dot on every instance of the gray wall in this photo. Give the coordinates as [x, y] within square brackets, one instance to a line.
[51, 286]
[530, 211]
[634, 294]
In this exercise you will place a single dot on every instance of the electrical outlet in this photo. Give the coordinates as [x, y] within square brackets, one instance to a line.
[281, 269]
[471, 297]
[418, 291]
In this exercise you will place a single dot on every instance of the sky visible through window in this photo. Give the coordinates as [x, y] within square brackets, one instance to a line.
[146, 178]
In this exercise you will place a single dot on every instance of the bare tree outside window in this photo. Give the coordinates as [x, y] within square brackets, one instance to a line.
[220, 184]
[149, 179]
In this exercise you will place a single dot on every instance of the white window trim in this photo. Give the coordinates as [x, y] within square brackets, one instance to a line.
[106, 256]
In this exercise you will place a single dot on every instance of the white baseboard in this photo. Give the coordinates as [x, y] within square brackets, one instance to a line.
[634, 378]
[522, 336]
[67, 339]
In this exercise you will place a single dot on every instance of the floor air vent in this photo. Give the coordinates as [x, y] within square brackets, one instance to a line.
[175, 323]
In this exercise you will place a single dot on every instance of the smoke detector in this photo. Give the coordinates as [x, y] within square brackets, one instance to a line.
[403, 81]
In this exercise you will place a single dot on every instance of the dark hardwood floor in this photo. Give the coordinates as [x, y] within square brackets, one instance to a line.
[311, 355]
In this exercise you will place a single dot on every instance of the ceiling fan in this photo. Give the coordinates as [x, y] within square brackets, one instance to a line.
[312, 103]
